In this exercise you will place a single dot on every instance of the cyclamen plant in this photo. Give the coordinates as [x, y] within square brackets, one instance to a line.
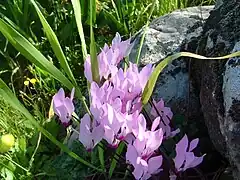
[117, 115]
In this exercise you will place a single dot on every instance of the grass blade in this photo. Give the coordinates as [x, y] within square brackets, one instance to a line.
[78, 16]
[145, 31]
[101, 157]
[13, 101]
[148, 90]
[114, 160]
[31, 53]
[116, 10]
[35, 56]
[55, 44]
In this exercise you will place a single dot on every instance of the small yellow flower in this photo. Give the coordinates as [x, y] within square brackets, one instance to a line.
[6, 142]
[33, 81]
[26, 83]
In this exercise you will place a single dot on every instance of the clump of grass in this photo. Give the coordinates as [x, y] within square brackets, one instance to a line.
[127, 17]
[12, 121]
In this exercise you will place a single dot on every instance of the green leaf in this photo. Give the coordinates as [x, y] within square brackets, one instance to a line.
[113, 23]
[114, 160]
[148, 90]
[7, 174]
[93, 11]
[55, 44]
[93, 50]
[35, 56]
[13, 101]
[22, 144]
[116, 10]
[145, 31]
[78, 16]
[101, 156]
[31, 53]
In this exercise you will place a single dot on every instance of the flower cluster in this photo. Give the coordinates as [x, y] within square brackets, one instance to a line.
[116, 114]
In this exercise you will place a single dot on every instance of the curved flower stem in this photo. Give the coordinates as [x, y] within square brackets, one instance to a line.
[35, 151]
[149, 121]
[77, 120]
[119, 156]
[15, 163]
[170, 162]
[153, 105]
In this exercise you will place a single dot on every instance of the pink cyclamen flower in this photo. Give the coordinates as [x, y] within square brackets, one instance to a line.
[158, 122]
[91, 133]
[123, 47]
[139, 155]
[109, 58]
[184, 157]
[164, 115]
[63, 106]
[164, 112]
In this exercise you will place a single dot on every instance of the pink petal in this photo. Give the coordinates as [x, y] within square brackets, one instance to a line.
[141, 128]
[181, 148]
[182, 145]
[58, 98]
[139, 145]
[110, 114]
[193, 144]
[138, 172]
[85, 135]
[179, 160]
[144, 75]
[168, 112]
[62, 113]
[189, 157]
[196, 162]
[96, 112]
[61, 94]
[117, 104]
[155, 124]
[108, 135]
[129, 138]
[105, 48]
[97, 134]
[87, 69]
[116, 39]
[131, 154]
[154, 140]
[159, 106]
[173, 133]
[154, 164]
[140, 168]
[69, 106]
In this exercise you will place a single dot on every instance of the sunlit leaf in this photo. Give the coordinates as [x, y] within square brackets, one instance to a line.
[78, 16]
[93, 50]
[55, 44]
[148, 90]
[36, 57]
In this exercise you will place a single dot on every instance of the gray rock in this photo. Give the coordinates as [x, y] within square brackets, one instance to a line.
[218, 81]
[212, 86]
[165, 36]
[230, 126]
